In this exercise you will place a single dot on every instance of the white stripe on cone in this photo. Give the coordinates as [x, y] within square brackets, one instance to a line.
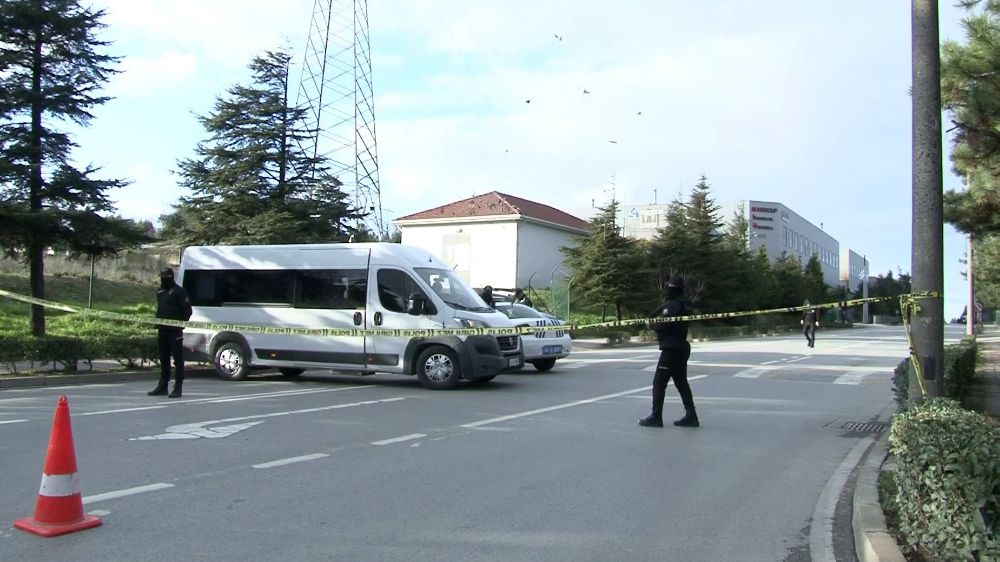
[59, 485]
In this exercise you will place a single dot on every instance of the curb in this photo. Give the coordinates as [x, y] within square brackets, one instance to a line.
[872, 541]
[80, 378]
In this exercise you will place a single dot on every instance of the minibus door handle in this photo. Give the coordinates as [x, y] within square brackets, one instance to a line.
[358, 318]
[378, 318]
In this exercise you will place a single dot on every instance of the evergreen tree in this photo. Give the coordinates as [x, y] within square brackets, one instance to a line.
[815, 287]
[740, 265]
[762, 279]
[51, 70]
[251, 182]
[788, 280]
[607, 267]
[970, 91]
[671, 249]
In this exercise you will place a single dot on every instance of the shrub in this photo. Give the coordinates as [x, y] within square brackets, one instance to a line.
[959, 369]
[67, 351]
[948, 481]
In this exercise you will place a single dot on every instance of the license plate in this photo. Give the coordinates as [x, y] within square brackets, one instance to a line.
[551, 349]
[514, 362]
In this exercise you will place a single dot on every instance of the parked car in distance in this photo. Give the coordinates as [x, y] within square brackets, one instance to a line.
[541, 349]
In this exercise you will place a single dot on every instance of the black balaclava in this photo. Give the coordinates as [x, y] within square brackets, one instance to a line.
[166, 278]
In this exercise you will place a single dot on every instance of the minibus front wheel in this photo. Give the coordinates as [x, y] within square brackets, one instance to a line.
[438, 368]
[232, 362]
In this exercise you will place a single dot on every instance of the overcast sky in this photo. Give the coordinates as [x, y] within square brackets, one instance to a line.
[803, 103]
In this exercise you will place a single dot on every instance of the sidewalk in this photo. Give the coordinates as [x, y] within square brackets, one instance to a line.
[984, 390]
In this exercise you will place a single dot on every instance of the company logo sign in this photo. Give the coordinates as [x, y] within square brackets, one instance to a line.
[763, 209]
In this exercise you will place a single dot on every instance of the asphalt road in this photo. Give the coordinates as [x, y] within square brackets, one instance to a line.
[532, 466]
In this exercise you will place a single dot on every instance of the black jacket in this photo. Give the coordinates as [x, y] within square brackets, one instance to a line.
[173, 303]
[672, 335]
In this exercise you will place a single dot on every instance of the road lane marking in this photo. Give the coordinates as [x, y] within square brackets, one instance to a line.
[122, 410]
[291, 460]
[754, 372]
[196, 429]
[409, 437]
[562, 406]
[851, 378]
[770, 362]
[12, 421]
[127, 492]
[821, 525]
[267, 394]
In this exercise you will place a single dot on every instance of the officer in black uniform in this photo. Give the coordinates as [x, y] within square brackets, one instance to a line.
[171, 302]
[810, 321]
[675, 351]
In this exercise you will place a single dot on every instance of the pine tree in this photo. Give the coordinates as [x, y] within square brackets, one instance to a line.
[607, 268]
[251, 182]
[813, 282]
[51, 71]
[970, 91]
[788, 280]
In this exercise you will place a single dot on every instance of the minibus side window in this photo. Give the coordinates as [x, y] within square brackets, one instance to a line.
[332, 289]
[394, 288]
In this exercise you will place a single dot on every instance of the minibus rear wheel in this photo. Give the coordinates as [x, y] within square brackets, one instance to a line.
[438, 368]
[232, 362]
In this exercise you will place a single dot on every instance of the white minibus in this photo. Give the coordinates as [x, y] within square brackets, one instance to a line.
[371, 286]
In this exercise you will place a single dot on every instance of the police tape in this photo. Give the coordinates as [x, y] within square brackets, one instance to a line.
[428, 332]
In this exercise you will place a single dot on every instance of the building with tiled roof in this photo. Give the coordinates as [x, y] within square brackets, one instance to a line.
[495, 238]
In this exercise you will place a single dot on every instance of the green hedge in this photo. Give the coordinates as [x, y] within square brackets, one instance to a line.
[947, 481]
[959, 369]
[64, 353]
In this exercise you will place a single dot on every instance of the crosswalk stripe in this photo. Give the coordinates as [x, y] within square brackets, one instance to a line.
[753, 373]
[851, 378]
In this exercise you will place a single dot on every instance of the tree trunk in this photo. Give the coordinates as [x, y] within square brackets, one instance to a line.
[36, 248]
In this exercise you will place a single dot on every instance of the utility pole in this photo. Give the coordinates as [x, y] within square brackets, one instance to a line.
[970, 311]
[927, 216]
[865, 319]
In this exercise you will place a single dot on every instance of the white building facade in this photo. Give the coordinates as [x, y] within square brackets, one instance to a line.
[496, 239]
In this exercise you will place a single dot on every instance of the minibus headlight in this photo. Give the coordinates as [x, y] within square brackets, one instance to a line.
[467, 323]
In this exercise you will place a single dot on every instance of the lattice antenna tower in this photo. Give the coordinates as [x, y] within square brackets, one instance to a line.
[336, 92]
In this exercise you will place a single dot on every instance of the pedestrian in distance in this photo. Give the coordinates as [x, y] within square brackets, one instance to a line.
[487, 296]
[172, 303]
[521, 298]
[675, 350]
[810, 321]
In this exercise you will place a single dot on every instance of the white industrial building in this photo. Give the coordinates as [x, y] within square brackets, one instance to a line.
[772, 225]
[495, 239]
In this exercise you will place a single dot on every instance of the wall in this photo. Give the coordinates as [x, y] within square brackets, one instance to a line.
[538, 253]
[482, 253]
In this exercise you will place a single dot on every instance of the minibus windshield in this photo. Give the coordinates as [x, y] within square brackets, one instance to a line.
[452, 289]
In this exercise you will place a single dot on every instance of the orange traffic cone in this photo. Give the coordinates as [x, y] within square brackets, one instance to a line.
[60, 507]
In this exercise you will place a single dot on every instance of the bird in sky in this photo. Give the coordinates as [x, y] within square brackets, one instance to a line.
[639, 113]
[586, 91]
[558, 37]
[613, 141]
[527, 101]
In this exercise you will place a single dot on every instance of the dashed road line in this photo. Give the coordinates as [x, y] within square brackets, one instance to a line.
[851, 378]
[12, 421]
[409, 437]
[754, 372]
[127, 492]
[291, 460]
[121, 410]
[563, 406]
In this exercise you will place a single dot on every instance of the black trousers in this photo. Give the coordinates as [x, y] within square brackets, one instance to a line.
[170, 343]
[672, 365]
[810, 331]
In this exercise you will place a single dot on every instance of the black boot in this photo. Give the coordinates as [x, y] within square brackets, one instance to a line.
[160, 390]
[690, 419]
[652, 420]
[176, 392]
